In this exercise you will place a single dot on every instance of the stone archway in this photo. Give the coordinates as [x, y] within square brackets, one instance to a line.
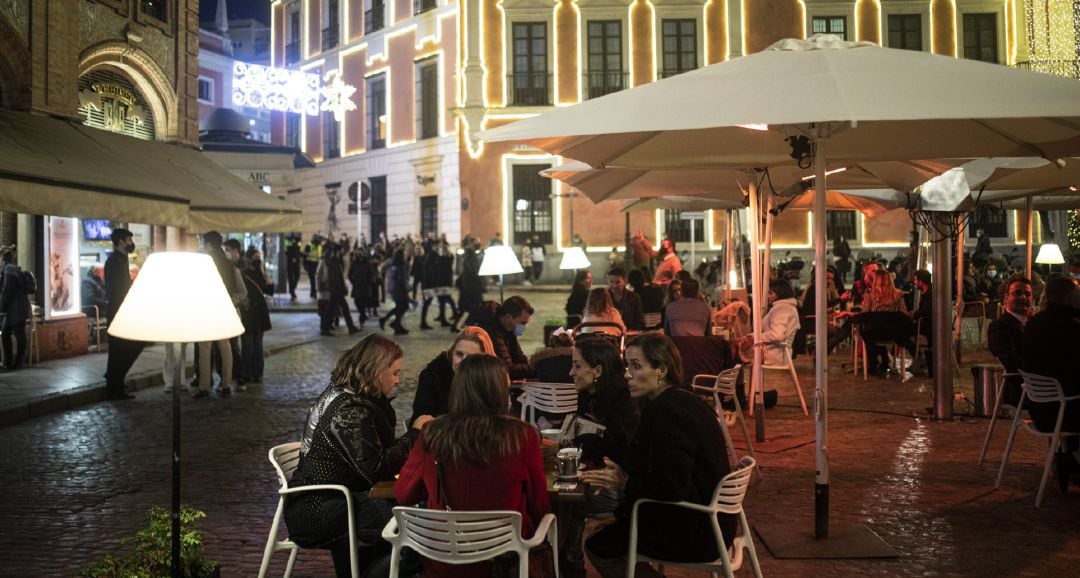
[145, 74]
[14, 68]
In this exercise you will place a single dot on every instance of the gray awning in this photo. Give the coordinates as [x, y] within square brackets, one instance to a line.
[56, 167]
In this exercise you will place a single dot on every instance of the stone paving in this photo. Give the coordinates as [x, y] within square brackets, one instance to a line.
[75, 482]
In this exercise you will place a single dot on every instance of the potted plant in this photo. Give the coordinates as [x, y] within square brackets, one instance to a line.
[151, 550]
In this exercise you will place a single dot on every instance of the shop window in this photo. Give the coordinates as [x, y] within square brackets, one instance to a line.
[532, 204]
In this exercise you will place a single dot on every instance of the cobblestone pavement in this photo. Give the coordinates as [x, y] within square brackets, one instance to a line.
[76, 482]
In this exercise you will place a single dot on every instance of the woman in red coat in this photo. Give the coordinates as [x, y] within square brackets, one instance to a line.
[490, 460]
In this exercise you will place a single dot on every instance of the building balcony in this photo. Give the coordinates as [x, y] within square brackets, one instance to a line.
[419, 6]
[669, 73]
[1065, 68]
[601, 82]
[292, 53]
[374, 19]
[529, 88]
[329, 38]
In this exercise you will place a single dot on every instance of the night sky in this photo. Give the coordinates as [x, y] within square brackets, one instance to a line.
[257, 9]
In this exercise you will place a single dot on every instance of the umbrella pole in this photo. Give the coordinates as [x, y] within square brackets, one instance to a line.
[1030, 215]
[177, 570]
[821, 352]
[755, 313]
[959, 285]
[943, 334]
[729, 252]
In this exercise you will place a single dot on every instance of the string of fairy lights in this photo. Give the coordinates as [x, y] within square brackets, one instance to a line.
[1053, 27]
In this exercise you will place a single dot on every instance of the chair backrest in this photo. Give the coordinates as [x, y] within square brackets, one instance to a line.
[549, 397]
[653, 320]
[730, 491]
[285, 458]
[721, 384]
[457, 537]
[1042, 389]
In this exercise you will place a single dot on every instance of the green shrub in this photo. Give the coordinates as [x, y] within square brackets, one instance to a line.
[150, 554]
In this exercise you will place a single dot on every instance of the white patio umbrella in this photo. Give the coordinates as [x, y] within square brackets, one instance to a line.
[837, 101]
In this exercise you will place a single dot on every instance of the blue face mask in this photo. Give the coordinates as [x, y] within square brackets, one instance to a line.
[519, 330]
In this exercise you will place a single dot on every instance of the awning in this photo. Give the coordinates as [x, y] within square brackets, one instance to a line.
[56, 167]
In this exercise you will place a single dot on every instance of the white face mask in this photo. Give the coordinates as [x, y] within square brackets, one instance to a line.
[991, 273]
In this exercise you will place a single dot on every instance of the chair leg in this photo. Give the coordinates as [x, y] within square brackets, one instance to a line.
[798, 389]
[1054, 443]
[1008, 447]
[993, 421]
[268, 551]
[745, 430]
[291, 563]
[748, 542]
[395, 561]
[733, 458]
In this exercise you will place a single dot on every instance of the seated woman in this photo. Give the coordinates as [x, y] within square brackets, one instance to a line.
[579, 293]
[349, 440]
[780, 323]
[598, 308]
[433, 390]
[673, 456]
[885, 317]
[553, 362]
[603, 398]
[477, 457]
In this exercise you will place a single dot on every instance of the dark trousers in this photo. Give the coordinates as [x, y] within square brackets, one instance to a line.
[400, 307]
[360, 310]
[122, 355]
[312, 267]
[251, 343]
[333, 306]
[444, 301]
[537, 269]
[18, 330]
[294, 278]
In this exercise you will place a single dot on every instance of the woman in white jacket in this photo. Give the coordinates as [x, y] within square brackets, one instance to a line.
[779, 324]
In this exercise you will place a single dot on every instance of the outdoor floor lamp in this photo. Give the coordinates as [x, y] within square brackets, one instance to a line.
[177, 298]
[500, 260]
[1050, 254]
[574, 258]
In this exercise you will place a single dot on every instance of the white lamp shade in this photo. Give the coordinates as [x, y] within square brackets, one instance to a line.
[1050, 254]
[500, 260]
[177, 298]
[574, 258]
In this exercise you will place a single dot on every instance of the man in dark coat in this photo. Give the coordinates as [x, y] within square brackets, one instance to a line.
[122, 352]
[335, 284]
[1050, 347]
[93, 291]
[627, 302]
[1006, 334]
[504, 329]
[470, 285]
[15, 305]
[294, 260]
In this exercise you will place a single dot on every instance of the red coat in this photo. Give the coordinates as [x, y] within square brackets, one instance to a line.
[516, 483]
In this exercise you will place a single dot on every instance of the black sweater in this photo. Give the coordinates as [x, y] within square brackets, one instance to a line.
[433, 390]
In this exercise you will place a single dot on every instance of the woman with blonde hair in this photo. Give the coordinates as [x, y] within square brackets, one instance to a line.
[599, 309]
[433, 390]
[883, 295]
[885, 317]
[477, 457]
[349, 440]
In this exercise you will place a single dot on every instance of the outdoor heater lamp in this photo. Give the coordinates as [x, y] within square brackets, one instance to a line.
[574, 258]
[500, 260]
[177, 298]
[1050, 254]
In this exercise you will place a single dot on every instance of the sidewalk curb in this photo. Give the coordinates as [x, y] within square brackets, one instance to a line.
[88, 394]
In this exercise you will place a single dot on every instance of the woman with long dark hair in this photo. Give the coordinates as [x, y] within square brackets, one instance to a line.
[349, 440]
[673, 457]
[477, 457]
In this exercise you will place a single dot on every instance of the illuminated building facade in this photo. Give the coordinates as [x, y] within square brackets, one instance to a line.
[430, 75]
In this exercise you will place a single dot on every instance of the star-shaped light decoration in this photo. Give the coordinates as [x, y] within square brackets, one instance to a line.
[337, 96]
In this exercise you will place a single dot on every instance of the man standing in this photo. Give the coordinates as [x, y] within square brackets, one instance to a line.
[122, 352]
[983, 250]
[1005, 335]
[227, 271]
[15, 305]
[627, 302]
[312, 256]
[293, 260]
[924, 315]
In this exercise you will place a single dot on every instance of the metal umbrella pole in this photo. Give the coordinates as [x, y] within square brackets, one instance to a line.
[821, 351]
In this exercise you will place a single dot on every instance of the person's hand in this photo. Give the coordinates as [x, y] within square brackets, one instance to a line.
[846, 295]
[422, 421]
[611, 476]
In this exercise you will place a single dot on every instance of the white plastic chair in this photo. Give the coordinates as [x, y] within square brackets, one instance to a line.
[994, 415]
[556, 398]
[899, 356]
[653, 321]
[461, 537]
[1038, 389]
[285, 458]
[727, 499]
[787, 365]
[722, 387]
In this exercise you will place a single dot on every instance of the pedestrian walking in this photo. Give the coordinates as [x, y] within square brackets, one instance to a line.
[398, 288]
[362, 277]
[15, 305]
[445, 270]
[294, 259]
[122, 352]
[336, 291]
[312, 257]
[429, 277]
[470, 285]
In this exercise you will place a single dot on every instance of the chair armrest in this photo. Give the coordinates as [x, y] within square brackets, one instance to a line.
[702, 388]
[391, 530]
[687, 505]
[316, 488]
[546, 525]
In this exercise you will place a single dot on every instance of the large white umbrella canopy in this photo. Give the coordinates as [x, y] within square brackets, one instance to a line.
[852, 102]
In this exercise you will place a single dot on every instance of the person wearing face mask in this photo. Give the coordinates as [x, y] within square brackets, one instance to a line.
[1006, 334]
[504, 327]
[122, 352]
[989, 287]
[433, 387]
[256, 316]
[672, 457]
[349, 440]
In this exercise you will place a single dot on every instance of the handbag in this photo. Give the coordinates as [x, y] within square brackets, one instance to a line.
[541, 558]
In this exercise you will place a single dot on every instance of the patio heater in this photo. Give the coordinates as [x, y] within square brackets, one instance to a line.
[500, 260]
[177, 298]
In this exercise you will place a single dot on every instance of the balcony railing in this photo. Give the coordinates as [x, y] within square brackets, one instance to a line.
[669, 73]
[419, 6]
[292, 53]
[1066, 68]
[330, 37]
[374, 19]
[599, 83]
[529, 88]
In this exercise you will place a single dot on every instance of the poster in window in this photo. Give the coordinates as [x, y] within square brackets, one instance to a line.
[61, 282]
